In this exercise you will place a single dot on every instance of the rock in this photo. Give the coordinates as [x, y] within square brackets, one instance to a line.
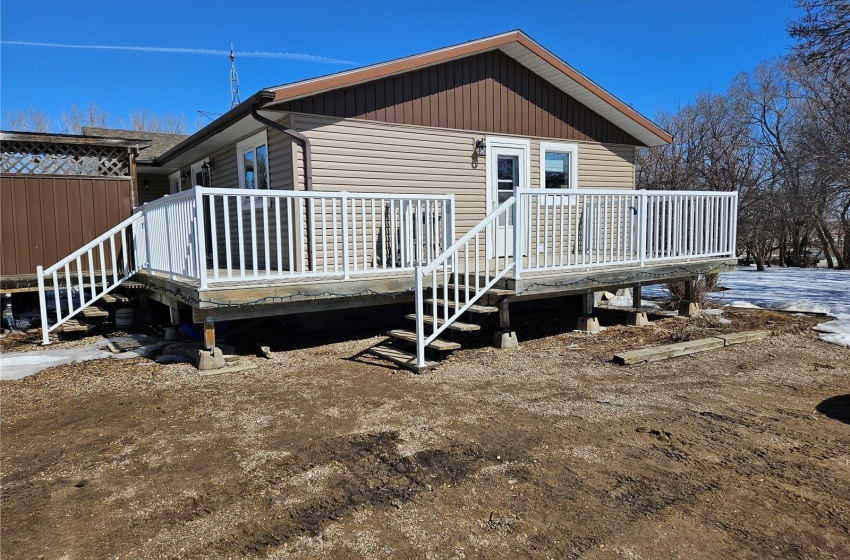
[173, 359]
[172, 334]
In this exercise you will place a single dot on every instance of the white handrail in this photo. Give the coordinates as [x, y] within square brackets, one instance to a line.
[115, 247]
[456, 301]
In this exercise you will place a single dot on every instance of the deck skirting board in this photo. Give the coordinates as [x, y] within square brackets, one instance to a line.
[286, 298]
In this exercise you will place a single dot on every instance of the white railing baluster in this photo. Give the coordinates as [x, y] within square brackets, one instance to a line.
[277, 237]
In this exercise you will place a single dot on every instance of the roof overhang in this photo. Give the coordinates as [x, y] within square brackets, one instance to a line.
[226, 129]
[518, 46]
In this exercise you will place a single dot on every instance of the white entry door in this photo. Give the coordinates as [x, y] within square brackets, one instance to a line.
[507, 168]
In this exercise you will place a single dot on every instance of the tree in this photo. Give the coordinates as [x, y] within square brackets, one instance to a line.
[169, 122]
[823, 52]
[30, 120]
[75, 119]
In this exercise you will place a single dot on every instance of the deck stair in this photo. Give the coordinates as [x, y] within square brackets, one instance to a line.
[397, 347]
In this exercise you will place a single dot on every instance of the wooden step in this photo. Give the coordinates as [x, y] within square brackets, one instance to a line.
[133, 285]
[436, 344]
[115, 298]
[72, 325]
[400, 357]
[491, 292]
[456, 326]
[94, 311]
[472, 308]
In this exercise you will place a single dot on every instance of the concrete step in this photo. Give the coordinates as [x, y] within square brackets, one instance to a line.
[400, 357]
[472, 308]
[456, 326]
[437, 344]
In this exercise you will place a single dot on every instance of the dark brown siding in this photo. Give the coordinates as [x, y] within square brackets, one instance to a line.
[488, 92]
[47, 218]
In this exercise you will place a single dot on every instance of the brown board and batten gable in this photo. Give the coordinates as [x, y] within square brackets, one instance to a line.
[488, 92]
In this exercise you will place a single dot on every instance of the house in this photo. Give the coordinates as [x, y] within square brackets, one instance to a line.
[459, 179]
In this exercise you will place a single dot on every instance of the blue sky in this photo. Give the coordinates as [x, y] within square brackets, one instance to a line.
[652, 54]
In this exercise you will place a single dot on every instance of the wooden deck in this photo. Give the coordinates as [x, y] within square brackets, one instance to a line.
[261, 297]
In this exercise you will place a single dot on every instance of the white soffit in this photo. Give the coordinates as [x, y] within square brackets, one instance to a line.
[242, 128]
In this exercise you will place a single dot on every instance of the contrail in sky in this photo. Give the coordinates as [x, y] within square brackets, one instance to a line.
[183, 50]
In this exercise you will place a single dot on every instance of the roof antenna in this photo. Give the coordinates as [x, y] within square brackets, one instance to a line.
[234, 80]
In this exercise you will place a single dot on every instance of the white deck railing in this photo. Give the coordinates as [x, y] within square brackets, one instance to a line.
[234, 235]
[238, 235]
[596, 228]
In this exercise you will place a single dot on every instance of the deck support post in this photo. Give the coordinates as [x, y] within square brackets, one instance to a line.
[504, 338]
[688, 307]
[209, 357]
[174, 315]
[588, 322]
[209, 333]
[636, 317]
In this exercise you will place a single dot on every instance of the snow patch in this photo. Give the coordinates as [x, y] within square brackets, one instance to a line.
[812, 290]
[17, 365]
[626, 301]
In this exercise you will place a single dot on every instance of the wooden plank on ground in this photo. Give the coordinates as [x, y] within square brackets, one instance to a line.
[741, 337]
[657, 353]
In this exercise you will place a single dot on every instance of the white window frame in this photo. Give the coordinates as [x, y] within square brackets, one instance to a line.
[259, 139]
[251, 143]
[561, 147]
[175, 177]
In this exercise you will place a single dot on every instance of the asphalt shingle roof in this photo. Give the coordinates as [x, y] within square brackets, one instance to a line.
[161, 142]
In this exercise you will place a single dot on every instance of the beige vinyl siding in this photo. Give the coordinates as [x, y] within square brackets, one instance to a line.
[362, 156]
[606, 166]
[357, 155]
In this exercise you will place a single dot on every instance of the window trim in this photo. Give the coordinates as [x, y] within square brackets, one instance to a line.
[175, 177]
[258, 139]
[562, 147]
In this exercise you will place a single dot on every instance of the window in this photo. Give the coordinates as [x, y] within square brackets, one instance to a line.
[558, 170]
[253, 162]
[558, 166]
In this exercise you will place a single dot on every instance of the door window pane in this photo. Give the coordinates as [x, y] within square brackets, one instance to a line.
[507, 177]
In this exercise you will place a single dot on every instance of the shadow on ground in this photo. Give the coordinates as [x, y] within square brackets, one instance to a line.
[837, 408]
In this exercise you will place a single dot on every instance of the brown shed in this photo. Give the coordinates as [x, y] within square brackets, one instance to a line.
[57, 192]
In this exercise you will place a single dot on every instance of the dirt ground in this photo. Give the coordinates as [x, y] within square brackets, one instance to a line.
[544, 451]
